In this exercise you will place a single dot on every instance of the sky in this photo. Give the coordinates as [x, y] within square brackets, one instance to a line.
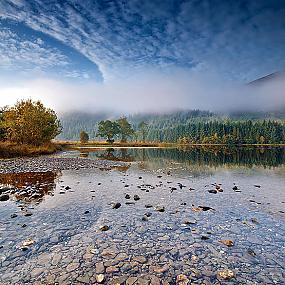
[135, 56]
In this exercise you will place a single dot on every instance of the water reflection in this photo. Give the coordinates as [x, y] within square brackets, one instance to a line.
[29, 187]
[198, 156]
[112, 154]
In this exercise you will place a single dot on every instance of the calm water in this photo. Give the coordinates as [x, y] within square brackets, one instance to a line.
[68, 247]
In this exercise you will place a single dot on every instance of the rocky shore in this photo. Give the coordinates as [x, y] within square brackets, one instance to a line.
[43, 164]
[68, 221]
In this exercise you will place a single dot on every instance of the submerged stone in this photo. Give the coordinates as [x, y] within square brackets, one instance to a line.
[100, 278]
[160, 209]
[226, 274]
[116, 205]
[136, 197]
[4, 197]
[182, 279]
[104, 228]
[227, 242]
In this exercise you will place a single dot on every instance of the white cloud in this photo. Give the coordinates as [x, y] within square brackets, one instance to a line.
[26, 55]
[124, 37]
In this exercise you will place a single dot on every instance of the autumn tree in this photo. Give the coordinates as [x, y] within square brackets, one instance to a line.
[30, 122]
[126, 129]
[2, 129]
[143, 127]
[84, 137]
[108, 129]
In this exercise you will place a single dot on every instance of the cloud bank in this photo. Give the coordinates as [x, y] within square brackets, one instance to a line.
[151, 92]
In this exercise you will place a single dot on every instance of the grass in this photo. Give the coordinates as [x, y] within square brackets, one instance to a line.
[10, 150]
[76, 144]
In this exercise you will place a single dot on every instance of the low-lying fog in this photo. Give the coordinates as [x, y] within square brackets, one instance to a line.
[151, 92]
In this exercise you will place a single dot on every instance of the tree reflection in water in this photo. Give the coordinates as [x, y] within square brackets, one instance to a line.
[30, 187]
[208, 156]
[121, 154]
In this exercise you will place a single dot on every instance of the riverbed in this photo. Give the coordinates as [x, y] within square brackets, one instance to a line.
[144, 216]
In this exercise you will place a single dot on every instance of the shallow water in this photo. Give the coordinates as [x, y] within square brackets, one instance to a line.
[68, 246]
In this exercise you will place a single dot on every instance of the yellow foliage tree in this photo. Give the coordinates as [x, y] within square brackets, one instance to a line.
[30, 122]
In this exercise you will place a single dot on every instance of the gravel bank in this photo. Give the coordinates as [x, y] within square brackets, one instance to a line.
[43, 164]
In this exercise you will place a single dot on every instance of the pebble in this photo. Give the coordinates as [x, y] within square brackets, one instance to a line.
[162, 269]
[71, 267]
[100, 278]
[104, 228]
[112, 269]
[182, 279]
[99, 267]
[140, 259]
[136, 197]
[116, 205]
[160, 208]
[131, 280]
[227, 242]
[226, 274]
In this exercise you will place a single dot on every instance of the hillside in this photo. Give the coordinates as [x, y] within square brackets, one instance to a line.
[74, 122]
[162, 127]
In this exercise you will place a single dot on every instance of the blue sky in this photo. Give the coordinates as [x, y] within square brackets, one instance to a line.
[96, 41]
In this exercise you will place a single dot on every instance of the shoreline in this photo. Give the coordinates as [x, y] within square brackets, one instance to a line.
[11, 150]
[151, 145]
[45, 164]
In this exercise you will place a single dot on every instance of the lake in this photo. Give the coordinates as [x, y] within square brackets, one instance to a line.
[167, 216]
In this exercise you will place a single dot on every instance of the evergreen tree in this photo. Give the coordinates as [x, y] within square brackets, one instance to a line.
[143, 127]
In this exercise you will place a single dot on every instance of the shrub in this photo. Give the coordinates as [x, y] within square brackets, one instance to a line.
[29, 122]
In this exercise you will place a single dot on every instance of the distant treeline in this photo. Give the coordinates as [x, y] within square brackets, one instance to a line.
[194, 126]
[228, 132]
[75, 122]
